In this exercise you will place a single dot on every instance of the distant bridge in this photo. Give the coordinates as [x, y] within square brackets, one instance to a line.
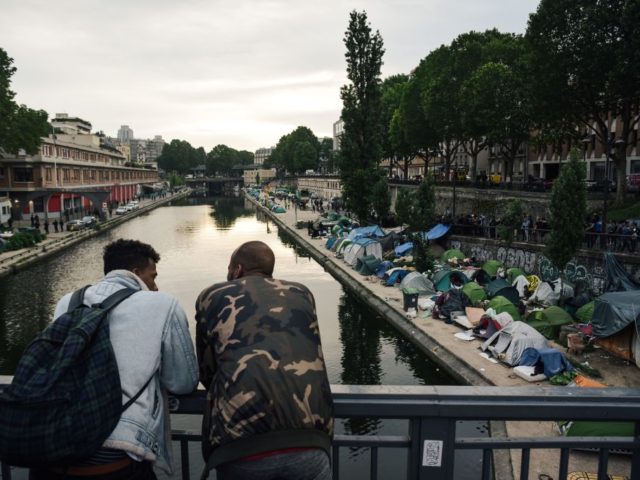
[215, 185]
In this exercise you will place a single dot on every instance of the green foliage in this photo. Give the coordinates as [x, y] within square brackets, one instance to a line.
[511, 220]
[381, 198]
[328, 157]
[179, 156]
[624, 213]
[175, 180]
[296, 151]
[24, 240]
[20, 127]
[422, 258]
[585, 65]
[404, 205]
[424, 205]
[360, 143]
[568, 208]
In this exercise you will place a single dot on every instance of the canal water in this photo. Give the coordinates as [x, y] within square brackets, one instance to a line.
[195, 238]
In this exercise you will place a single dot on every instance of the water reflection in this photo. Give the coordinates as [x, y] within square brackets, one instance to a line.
[226, 210]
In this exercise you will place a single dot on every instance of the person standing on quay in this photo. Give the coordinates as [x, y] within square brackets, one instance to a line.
[269, 410]
[150, 337]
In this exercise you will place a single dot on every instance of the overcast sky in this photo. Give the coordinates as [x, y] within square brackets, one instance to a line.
[238, 72]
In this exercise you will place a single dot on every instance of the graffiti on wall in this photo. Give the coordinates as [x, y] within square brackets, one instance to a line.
[517, 257]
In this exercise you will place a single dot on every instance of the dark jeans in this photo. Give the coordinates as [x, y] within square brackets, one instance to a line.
[306, 465]
[134, 471]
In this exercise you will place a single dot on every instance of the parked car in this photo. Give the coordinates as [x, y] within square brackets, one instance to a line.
[75, 225]
[128, 207]
[89, 220]
[121, 210]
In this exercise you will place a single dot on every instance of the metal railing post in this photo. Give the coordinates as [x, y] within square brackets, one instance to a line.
[437, 449]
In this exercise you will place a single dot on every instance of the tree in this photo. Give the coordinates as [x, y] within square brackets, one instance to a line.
[404, 206]
[496, 92]
[585, 65]
[296, 151]
[511, 221]
[178, 156]
[425, 205]
[327, 156]
[361, 141]
[381, 198]
[20, 127]
[245, 157]
[568, 209]
[392, 89]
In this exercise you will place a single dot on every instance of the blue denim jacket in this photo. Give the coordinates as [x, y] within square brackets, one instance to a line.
[149, 333]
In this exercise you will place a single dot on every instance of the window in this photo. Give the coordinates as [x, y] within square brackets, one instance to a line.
[1, 172]
[47, 174]
[47, 150]
[21, 174]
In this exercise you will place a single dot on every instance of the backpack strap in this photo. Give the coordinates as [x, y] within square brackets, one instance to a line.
[115, 298]
[77, 298]
[135, 397]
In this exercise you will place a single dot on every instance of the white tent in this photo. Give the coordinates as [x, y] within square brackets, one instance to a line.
[360, 248]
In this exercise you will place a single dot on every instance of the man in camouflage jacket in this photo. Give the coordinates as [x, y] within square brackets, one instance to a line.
[269, 404]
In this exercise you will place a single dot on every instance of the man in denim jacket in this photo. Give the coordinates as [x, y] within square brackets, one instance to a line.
[150, 338]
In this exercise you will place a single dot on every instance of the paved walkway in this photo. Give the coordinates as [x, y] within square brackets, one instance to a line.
[615, 372]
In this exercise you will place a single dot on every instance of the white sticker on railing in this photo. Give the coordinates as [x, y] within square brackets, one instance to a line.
[432, 453]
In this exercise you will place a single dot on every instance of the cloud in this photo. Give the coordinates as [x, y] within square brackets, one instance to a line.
[242, 73]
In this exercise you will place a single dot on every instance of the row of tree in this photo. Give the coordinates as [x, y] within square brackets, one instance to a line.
[179, 156]
[20, 126]
[575, 69]
[301, 150]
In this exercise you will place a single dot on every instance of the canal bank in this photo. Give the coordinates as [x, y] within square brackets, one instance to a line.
[15, 261]
[462, 360]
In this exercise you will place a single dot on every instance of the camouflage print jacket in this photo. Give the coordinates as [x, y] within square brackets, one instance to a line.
[261, 361]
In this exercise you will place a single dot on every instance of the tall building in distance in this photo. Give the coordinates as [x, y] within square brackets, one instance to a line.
[125, 134]
[262, 154]
[338, 130]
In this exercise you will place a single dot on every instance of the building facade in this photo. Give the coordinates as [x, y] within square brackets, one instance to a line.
[258, 175]
[262, 154]
[71, 173]
[125, 134]
[338, 130]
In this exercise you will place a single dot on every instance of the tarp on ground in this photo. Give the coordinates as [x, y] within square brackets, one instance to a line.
[545, 294]
[501, 304]
[372, 231]
[418, 281]
[553, 360]
[361, 247]
[474, 292]
[440, 230]
[510, 342]
[395, 275]
[585, 312]
[383, 267]
[404, 249]
[549, 321]
[367, 265]
[453, 253]
[492, 266]
[513, 273]
[443, 280]
[521, 284]
[278, 209]
[452, 301]
[330, 242]
[617, 278]
[613, 311]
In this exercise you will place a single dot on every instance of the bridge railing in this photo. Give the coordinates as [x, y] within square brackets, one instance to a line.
[433, 413]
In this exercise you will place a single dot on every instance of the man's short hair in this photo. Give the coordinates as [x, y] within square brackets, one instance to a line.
[127, 255]
[254, 256]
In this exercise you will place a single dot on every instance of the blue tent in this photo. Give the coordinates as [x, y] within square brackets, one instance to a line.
[372, 231]
[403, 249]
[436, 232]
[383, 267]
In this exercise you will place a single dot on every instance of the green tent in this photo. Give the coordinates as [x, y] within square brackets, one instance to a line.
[585, 312]
[495, 286]
[449, 254]
[336, 230]
[597, 429]
[549, 321]
[367, 265]
[491, 267]
[501, 304]
[332, 216]
[474, 292]
[344, 222]
[513, 273]
[442, 279]
[279, 209]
